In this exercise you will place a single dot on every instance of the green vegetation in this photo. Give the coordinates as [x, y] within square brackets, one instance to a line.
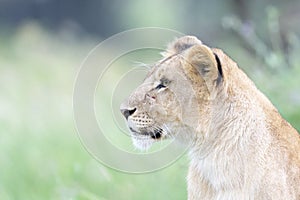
[41, 156]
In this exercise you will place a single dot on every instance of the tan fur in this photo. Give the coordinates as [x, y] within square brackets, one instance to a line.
[241, 148]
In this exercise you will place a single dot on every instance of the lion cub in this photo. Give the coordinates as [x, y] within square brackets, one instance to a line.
[241, 147]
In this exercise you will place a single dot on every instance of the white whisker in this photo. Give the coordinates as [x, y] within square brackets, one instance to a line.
[168, 132]
[140, 64]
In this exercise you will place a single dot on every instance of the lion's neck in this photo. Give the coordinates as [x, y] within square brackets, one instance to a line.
[220, 156]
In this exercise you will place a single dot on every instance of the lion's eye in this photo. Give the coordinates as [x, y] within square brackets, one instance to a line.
[160, 86]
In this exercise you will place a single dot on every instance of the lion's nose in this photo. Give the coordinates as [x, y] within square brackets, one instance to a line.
[127, 112]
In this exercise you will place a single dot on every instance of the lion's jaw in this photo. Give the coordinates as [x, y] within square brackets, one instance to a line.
[149, 121]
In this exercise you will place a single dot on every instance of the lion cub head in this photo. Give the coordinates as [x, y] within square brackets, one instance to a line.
[174, 99]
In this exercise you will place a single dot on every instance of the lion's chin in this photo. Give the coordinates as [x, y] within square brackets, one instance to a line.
[142, 143]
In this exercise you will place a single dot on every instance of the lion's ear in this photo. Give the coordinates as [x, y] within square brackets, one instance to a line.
[206, 63]
[181, 44]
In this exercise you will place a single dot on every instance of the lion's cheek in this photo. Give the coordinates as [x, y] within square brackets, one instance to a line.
[165, 111]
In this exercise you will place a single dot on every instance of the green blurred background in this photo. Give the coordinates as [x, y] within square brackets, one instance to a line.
[42, 44]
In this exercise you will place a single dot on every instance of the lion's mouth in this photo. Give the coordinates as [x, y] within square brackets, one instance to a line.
[155, 134]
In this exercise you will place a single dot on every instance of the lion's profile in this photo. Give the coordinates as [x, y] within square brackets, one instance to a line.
[241, 147]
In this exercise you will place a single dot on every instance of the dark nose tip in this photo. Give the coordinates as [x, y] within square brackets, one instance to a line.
[127, 112]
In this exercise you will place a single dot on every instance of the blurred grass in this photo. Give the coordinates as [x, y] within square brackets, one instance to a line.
[41, 156]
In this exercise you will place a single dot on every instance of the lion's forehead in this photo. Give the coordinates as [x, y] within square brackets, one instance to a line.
[167, 68]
